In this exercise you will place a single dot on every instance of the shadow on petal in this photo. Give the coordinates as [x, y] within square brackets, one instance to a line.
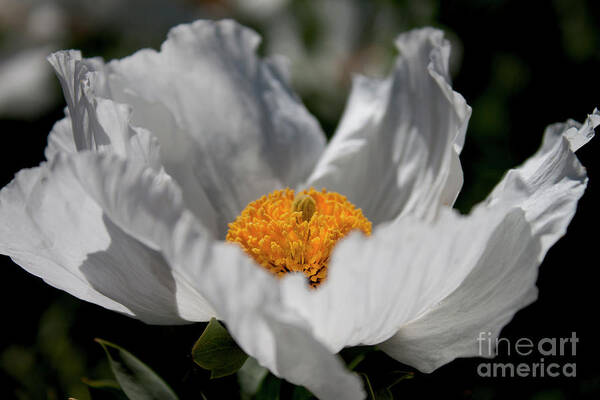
[135, 276]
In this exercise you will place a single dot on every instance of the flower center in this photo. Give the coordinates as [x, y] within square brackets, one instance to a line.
[286, 233]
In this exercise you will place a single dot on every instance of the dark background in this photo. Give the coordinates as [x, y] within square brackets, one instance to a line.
[522, 65]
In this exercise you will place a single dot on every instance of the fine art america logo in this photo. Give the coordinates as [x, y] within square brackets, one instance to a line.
[546, 352]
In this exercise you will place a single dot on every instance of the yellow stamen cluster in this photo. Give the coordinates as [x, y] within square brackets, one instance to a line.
[286, 233]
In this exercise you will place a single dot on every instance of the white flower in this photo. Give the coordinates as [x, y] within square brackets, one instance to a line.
[115, 220]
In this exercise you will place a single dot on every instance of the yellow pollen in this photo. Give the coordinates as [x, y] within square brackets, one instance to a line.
[286, 233]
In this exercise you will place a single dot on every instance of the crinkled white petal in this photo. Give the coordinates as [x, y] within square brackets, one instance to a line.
[229, 126]
[60, 138]
[35, 247]
[55, 229]
[246, 297]
[379, 283]
[94, 122]
[74, 75]
[148, 206]
[432, 286]
[502, 282]
[540, 198]
[400, 136]
[70, 246]
[548, 185]
[250, 302]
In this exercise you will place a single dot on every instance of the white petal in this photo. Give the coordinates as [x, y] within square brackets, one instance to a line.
[92, 121]
[542, 195]
[229, 126]
[484, 265]
[54, 229]
[502, 282]
[401, 136]
[60, 139]
[243, 295]
[73, 73]
[377, 284]
[22, 239]
[549, 184]
[249, 300]
[148, 206]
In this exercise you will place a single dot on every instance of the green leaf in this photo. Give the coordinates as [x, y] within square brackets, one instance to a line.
[135, 378]
[217, 352]
[269, 388]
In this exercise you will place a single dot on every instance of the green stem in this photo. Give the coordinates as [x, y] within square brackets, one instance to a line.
[357, 360]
